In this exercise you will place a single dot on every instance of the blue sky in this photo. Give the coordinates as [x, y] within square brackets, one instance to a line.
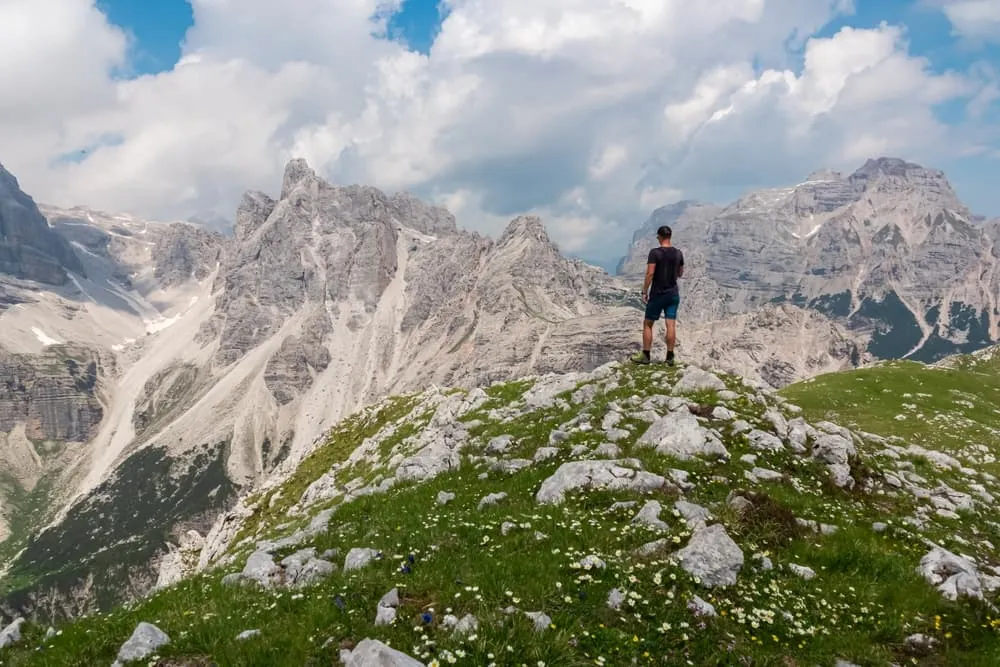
[158, 27]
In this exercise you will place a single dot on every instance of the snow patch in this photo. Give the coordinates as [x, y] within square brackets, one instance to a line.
[160, 323]
[80, 287]
[44, 338]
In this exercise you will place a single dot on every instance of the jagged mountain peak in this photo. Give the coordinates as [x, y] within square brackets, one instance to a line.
[296, 172]
[891, 166]
[529, 227]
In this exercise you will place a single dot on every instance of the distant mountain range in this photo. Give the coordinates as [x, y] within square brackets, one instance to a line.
[888, 251]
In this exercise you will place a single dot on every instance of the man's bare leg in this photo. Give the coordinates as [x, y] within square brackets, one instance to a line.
[671, 339]
[647, 343]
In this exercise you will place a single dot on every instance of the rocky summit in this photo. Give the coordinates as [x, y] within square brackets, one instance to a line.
[617, 516]
[888, 251]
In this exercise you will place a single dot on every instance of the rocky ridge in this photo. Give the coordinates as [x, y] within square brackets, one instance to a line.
[889, 251]
[685, 508]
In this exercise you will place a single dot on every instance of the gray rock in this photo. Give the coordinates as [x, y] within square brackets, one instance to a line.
[373, 653]
[386, 611]
[545, 453]
[260, 567]
[12, 633]
[358, 558]
[763, 475]
[806, 573]
[492, 499]
[833, 449]
[445, 497]
[603, 474]
[879, 527]
[722, 413]
[765, 442]
[841, 475]
[712, 556]
[695, 379]
[694, 515]
[313, 571]
[700, 607]
[954, 576]
[145, 640]
[652, 548]
[681, 478]
[649, 515]
[500, 444]
[740, 426]
[247, 634]
[511, 466]
[680, 435]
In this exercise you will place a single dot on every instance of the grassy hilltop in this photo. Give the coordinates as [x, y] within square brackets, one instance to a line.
[828, 568]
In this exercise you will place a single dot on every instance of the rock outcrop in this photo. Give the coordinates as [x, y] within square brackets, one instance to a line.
[29, 248]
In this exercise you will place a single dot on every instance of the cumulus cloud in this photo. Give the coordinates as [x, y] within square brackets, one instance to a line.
[586, 112]
[976, 20]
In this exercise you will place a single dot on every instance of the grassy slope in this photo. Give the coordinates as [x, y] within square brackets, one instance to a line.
[865, 599]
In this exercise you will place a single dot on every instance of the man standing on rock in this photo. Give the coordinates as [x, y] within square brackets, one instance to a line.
[661, 294]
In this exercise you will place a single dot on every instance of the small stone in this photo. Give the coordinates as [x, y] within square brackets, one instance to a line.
[247, 634]
[651, 548]
[806, 573]
[492, 499]
[144, 641]
[12, 633]
[545, 453]
[358, 558]
[700, 607]
[879, 527]
[763, 475]
[499, 444]
[649, 515]
[749, 459]
[445, 497]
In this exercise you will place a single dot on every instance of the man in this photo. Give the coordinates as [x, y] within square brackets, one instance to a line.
[661, 294]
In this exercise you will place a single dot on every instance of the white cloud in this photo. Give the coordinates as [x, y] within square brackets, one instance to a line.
[587, 112]
[978, 20]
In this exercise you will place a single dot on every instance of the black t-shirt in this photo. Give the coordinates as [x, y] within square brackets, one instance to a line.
[668, 262]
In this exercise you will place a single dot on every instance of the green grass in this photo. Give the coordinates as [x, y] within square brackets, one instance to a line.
[864, 601]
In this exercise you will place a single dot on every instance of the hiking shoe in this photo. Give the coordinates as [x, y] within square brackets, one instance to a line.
[670, 358]
[640, 358]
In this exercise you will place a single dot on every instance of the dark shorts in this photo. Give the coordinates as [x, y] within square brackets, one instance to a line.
[663, 303]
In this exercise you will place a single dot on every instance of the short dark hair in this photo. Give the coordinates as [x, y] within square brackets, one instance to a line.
[664, 232]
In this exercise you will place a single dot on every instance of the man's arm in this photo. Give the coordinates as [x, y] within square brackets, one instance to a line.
[651, 259]
[680, 264]
[650, 270]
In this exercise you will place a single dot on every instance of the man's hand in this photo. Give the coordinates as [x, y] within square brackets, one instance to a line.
[645, 298]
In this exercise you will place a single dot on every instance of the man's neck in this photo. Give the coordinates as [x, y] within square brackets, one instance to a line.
[664, 244]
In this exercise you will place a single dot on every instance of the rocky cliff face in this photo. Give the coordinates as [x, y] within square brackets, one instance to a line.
[888, 251]
[29, 249]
